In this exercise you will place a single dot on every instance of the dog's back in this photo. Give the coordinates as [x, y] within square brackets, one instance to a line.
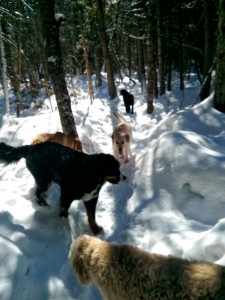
[123, 127]
[59, 138]
[42, 137]
[121, 139]
[125, 272]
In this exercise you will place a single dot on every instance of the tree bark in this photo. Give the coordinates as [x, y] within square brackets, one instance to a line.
[151, 69]
[141, 64]
[181, 53]
[88, 71]
[209, 53]
[98, 79]
[161, 63]
[3, 71]
[50, 27]
[151, 76]
[105, 50]
[219, 99]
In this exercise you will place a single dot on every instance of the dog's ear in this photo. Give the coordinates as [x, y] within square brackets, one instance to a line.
[81, 272]
[77, 258]
[127, 137]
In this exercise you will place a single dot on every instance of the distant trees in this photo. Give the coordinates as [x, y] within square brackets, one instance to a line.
[105, 49]
[219, 101]
[152, 39]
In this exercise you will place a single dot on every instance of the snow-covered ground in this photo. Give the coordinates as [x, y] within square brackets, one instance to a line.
[171, 203]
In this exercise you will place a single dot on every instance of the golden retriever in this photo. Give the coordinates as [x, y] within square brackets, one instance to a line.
[121, 139]
[59, 138]
[125, 272]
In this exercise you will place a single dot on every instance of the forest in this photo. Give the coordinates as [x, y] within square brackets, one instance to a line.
[78, 55]
[44, 42]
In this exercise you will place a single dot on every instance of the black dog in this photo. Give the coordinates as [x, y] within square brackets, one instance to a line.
[79, 175]
[128, 100]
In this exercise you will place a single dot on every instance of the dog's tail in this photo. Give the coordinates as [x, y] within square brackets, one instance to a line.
[9, 154]
[118, 117]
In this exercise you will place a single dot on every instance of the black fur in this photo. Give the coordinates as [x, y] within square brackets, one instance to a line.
[128, 100]
[77, 173]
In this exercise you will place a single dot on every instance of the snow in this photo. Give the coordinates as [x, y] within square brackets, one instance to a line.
[59, 16]
[171, 203]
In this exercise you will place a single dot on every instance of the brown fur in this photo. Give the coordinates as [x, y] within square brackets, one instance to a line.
[59, 138]
[125, 272]
[121, 139]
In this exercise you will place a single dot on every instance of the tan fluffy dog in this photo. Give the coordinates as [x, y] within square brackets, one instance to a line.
[125, 272]
[59, 138]
[121, 139]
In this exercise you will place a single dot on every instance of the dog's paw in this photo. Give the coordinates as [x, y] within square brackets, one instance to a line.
[42, 202]
[97, 230]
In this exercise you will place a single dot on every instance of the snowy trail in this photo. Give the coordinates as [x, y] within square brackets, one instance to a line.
[38, 238]
[171, 203]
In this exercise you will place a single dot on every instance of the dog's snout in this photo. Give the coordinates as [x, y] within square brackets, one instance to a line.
[116, 178]
[120, 150]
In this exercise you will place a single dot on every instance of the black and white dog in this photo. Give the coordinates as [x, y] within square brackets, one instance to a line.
[128, 100]
[79, 175]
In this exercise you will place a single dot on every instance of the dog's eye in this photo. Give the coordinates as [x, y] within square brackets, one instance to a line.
[117, 143]
[122, 142]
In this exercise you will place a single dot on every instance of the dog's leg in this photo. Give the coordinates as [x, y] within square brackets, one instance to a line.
[132, 109]
[42, 180]
[90, 207]
[128, 153]
[128, 109]
[41, 194]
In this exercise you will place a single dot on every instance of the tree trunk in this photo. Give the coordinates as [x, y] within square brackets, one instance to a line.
[141, 65]
[151, 76]
[208, 57]
[98, 78]
[219, 100]
[88, 71]
[161, 70]
[50, 27]
[181, 54]
[19, 72]
[169, 71]
[105, 50]
[42, 55]
[3, 71]
[11, 63]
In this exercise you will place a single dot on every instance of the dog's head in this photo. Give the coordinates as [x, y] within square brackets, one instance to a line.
[109, 168]
[78, 256]
[123, 92]
[86, 254]
[119, 141]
